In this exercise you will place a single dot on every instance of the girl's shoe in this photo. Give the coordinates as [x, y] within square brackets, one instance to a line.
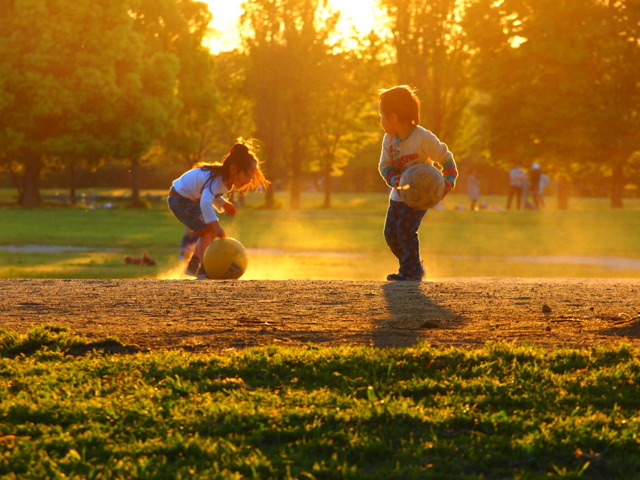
[202, 275]
[192, 268]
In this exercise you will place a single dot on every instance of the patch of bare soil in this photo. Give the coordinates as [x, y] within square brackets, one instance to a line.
[220, 315]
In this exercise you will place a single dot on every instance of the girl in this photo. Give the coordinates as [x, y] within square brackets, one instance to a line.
[406, 143]
[198, 193]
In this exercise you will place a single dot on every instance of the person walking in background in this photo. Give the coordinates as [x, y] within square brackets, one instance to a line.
[517, 181]
[195, 197]
[473, 190]
[406, 143]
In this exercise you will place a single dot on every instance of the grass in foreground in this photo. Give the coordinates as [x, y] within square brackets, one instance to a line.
[359, 413]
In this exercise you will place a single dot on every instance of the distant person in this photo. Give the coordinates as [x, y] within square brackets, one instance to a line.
[517, 182]
[473, 190]
[534, 186]
[543, 184]
[405, 144]
[198, 193]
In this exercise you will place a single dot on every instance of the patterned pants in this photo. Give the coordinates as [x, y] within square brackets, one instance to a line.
[401, 233]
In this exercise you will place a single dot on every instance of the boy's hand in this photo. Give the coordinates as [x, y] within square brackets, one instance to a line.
[230, 209]
[447, 188]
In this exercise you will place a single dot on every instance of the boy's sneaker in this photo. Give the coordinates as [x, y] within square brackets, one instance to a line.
[192, 268]
[402, 277]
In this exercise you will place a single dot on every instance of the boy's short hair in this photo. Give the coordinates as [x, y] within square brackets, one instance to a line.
[401, 101]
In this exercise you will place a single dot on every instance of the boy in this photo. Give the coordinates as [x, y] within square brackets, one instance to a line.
[405, 144]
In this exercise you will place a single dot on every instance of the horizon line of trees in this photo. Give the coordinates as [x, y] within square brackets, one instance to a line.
[128, 82]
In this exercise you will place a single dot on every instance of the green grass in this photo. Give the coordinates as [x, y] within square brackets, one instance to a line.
[333, 413]
[345, 242]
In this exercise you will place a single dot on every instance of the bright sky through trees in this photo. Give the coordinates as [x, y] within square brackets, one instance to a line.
[362, 15]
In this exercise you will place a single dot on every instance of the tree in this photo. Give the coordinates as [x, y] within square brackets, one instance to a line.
[562, 78]
[431, 55]
[60, 82]
[177, 94]
[347, 89]
[102, 80]
[286, 41]
[196, 88]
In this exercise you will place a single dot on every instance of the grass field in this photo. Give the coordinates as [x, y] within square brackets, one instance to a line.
[310, 413]
[345, 242]
[71, 408]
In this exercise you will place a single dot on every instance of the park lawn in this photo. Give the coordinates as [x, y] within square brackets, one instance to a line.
[70, 408]
[344, 242]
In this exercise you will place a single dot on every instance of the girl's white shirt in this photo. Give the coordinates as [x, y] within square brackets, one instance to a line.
[190, 184]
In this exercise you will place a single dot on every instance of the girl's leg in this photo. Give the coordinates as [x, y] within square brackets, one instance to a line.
[409, 222]
[189, 213]
[196, 267]
[203, 242]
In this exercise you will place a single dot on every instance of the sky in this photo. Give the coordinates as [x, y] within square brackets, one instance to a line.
[358, 14]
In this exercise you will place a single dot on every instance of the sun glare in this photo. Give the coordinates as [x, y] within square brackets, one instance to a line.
[359, 15]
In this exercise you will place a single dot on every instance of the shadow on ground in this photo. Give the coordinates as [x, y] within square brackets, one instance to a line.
[629, 329]
[412, 315]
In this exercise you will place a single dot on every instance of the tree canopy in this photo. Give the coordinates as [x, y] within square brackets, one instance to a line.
[128, 82]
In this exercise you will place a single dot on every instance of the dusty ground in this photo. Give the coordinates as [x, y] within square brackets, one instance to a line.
[219, 315]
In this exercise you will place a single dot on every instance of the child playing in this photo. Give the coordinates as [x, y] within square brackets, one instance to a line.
[198, 193]
[405, 144]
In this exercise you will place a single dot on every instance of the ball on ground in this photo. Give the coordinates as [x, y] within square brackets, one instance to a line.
[421, 186]
[225, 258]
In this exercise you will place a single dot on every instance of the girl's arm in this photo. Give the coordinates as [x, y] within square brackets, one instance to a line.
[230, 208]
[206, 205]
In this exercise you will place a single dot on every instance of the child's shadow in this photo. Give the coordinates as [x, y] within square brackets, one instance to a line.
[412, 316]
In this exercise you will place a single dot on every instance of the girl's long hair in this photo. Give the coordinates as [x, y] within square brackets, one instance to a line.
[242, 155]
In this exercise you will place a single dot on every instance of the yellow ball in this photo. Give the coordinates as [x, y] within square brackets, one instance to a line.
[225, 258]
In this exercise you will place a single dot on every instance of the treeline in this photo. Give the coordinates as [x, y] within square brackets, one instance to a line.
[114, 86]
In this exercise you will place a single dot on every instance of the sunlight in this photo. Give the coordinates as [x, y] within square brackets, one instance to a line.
[359, 15]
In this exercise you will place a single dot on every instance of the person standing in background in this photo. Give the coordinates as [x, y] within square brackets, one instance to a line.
[473, 190]
[517, 180]
[534, 185]
[543, 183]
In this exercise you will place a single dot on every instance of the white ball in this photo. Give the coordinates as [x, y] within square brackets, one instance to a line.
[421, 186]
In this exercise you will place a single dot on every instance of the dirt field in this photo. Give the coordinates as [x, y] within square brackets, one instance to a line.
[219, 315]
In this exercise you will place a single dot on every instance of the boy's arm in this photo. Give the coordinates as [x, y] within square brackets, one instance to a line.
[439, 152]
[386, 168]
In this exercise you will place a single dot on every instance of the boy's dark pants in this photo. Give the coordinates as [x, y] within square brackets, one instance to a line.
[401, 233]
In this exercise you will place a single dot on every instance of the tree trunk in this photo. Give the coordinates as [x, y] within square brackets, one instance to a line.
[327, 182]
[30, 186]
[269, 170]
[135, 181]
[296, 173]
[617, 185]
[72, 183]
[563, 192]
[18, 185]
